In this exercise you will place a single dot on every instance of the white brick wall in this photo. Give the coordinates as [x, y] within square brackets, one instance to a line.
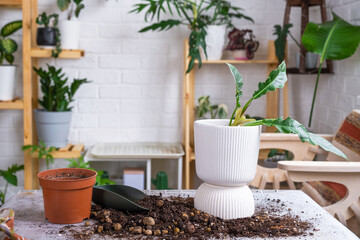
[135, 94]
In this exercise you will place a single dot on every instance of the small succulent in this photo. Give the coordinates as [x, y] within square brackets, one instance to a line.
[239, 41]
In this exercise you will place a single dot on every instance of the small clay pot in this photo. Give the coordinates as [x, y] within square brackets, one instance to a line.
[46, 37]
[67, 194]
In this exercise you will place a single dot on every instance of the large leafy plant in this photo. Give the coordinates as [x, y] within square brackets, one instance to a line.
[196, 14]
[336, 40]
[53, 20]
[10, 177]
[73, 7]
[57, 95]
[102, 177]
[276, 79]
[8, 46]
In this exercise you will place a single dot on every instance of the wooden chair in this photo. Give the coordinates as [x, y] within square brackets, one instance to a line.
[335, 169]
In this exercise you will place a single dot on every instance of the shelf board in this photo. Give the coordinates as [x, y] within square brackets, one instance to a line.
[10, 3]
[46, 53]
[231, 61]
[70, 151]
[307, 71]
[14, 104]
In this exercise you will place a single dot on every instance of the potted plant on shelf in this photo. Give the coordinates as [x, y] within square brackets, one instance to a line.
[227, 151]
[70, 28]
[8, 47]
[204, 17]
[242, 48]
[48, 37]
[280, 44]
[336, 40]
[206, 108]
[53, 122]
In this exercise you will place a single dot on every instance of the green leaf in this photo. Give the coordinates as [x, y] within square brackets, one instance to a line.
[204, 106]
[280, 41]
[78, 9]
[292, 126]
[10, 58]
[276, 79]
[238, 81]
[336, 39]
[223, 111]
[63, 4]
[9, 177]
[162, 25]
[8, 45]
[11, 27]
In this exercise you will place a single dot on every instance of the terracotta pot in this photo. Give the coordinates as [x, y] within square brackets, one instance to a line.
[67, 194]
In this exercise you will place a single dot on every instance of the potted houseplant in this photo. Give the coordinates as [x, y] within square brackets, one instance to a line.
[227, 151]
[8, 72]
[70, 28]
[200, 16]
[205, 109]
[280, 44]
[49, 35]
[242, 48]
[67, 194]
[53, 122]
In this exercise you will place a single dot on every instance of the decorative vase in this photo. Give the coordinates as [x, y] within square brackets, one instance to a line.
[46, 37]
[53, 127]
[215, 41]
[310, 60]
[7, 82]
[67, 194]
[239, 54]
[69, 34]
[226, 160]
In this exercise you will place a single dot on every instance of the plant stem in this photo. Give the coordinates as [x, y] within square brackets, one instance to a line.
[292, 37]
[232, 116]
[314, 96]
[246, 106]
[6, 187]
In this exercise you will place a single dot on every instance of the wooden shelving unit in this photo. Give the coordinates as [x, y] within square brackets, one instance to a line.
[31, 53]
[272, 102]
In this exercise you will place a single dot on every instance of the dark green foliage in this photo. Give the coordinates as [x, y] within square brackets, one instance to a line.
[280, 41]
[45, 20]
[276, 79]
[196, 15]
[161, 181]
[43, 152]
[7, 45]
[102, 177]
[57, 95]
[72, 6]
[336, 40]
[10, 177]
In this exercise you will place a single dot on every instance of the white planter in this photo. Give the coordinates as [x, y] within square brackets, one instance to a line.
[226, 160]
[215, 41]
[7, 82]
[226, 156]
[239, 54]
[225, 202]
[70, 34]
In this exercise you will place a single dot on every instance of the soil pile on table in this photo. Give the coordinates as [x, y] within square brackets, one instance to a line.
[176, 218]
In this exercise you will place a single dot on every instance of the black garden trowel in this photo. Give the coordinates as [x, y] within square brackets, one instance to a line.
[119, 197]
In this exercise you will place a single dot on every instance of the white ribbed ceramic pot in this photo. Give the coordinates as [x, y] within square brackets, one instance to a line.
[225, 202]
[226, 156]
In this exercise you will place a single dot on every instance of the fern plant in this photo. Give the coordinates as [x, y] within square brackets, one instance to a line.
[57, 95]
[8, 46]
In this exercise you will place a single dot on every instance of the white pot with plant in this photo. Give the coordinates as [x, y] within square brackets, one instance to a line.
[70, 28]
[242, 44]
[53, 122]
[215, 41]
[227, 151]
[8, 71]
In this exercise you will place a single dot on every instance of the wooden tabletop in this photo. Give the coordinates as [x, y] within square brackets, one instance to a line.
[30, 219]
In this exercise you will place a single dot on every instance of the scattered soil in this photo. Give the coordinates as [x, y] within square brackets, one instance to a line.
[176, 218]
